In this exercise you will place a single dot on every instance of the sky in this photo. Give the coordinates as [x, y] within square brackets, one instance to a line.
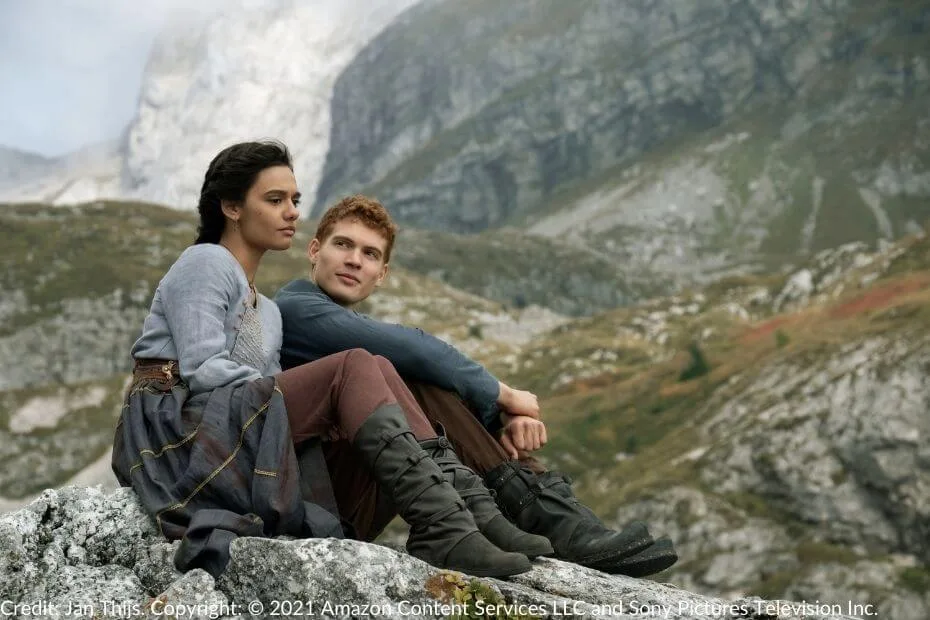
[70, 70]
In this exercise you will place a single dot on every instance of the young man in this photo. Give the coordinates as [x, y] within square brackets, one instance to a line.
[349, 257]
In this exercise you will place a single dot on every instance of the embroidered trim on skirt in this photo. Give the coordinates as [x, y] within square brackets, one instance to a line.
[209, 474]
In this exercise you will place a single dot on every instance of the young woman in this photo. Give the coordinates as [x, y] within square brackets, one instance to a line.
[208, 430]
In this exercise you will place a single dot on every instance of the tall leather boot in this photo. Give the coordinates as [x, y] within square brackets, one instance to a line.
[574, 535]
[480, 502]
[655, 558]
[442, 530]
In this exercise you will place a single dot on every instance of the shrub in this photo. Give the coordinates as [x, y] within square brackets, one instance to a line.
[698, 367]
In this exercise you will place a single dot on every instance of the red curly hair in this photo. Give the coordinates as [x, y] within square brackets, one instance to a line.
[363, 209]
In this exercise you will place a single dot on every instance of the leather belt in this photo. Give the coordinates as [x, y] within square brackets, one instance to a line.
[163, 370]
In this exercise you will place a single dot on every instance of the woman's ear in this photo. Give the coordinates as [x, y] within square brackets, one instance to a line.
[230, 209]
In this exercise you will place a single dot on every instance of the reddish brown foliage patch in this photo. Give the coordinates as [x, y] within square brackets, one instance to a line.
[768, 328]
[878, 297]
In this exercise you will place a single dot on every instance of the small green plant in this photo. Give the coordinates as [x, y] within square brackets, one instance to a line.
[814, 552]
[781, 338]
[915, 578]
[698, 367]
[473, 599]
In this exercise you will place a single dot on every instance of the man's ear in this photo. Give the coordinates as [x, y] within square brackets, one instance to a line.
[313, 250]
[384, 272]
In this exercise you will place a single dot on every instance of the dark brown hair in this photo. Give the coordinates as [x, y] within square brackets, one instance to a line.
[229, 177]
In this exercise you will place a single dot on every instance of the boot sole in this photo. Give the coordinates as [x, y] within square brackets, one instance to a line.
[490, 572]
[654, 559]
[615, 556]
[533, 556]
[532, 553]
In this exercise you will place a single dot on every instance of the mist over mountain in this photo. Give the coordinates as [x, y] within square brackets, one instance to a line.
[254, 70]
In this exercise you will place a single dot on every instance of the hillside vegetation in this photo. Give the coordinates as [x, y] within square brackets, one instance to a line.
[771, 424]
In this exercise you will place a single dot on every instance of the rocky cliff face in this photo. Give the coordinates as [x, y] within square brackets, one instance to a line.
[247, 74]
[812, 480]
[689, 140]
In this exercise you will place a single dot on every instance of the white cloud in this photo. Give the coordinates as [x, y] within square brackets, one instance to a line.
[70, 70]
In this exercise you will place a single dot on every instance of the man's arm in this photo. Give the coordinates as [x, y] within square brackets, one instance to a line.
[315, 326]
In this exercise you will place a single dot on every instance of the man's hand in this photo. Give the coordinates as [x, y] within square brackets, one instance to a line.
[518, 402]
[522, 434]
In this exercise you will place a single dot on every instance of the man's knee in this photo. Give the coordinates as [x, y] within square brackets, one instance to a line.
[358, 358]
[359, 364]
[387, 368]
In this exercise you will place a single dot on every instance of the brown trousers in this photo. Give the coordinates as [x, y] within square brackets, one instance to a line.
[332, 397]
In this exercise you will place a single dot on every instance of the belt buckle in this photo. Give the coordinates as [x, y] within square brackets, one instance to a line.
[167, 370]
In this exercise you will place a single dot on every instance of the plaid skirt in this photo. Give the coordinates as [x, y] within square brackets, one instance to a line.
[210, 473]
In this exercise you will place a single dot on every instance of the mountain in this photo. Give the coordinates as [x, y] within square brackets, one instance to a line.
[690, 141]
[17, 166]
[681, 144]
[85, 174]
[246, 74]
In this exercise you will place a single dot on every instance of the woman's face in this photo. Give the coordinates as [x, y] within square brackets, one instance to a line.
[269, 213]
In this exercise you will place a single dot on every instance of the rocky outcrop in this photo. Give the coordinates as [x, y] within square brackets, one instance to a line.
[811, 480]
[80, 553]
[853, 466]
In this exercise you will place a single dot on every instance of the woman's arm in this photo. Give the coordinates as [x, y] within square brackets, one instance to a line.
[196, 294]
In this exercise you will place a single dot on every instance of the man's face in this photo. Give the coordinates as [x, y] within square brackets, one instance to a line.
[349, 264]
